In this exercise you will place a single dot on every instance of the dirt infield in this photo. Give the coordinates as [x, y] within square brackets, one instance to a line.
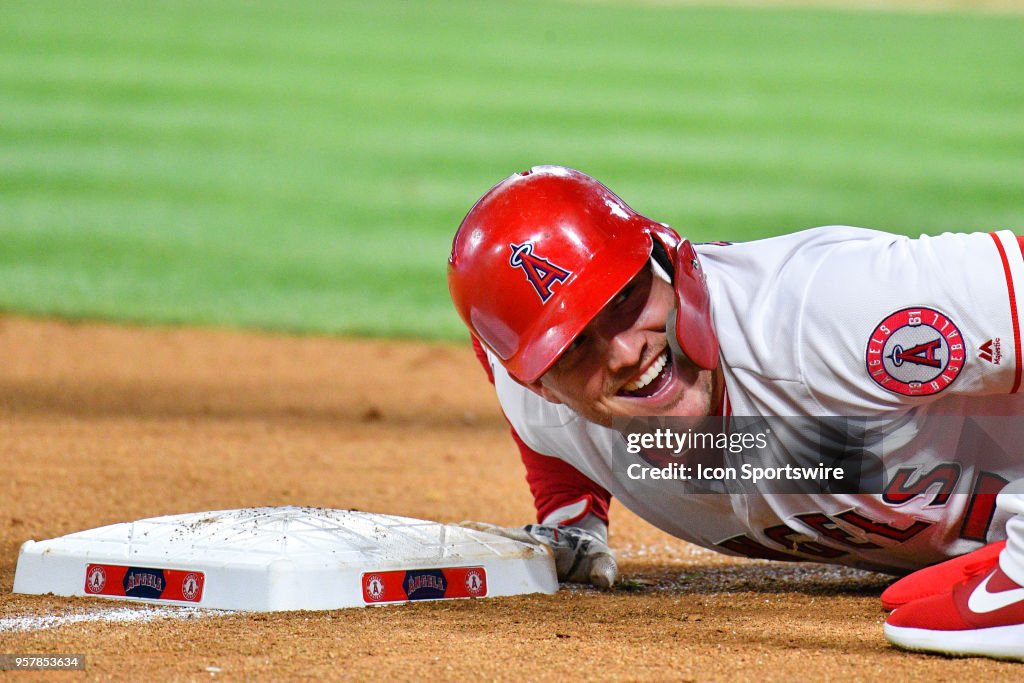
[102, 424]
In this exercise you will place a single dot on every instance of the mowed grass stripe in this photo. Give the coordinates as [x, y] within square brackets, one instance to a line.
[993, 131]
[733, 154]
[783, 111]
[95, 166]
[163, 78]
[154, 129]
[787, 68]
[306, 155]
[611, 113]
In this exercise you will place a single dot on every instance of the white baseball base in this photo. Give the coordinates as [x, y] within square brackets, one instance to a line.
[282, 558]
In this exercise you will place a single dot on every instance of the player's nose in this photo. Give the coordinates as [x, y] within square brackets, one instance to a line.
[625, 349]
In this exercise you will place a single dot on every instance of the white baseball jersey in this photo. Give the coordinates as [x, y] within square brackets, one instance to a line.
[841, 321]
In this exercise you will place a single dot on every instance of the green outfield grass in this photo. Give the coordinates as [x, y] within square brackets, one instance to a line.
[290, 166]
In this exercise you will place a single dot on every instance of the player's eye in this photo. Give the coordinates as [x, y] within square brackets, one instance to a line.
[576, 343]
[571, 356]
[623, 295]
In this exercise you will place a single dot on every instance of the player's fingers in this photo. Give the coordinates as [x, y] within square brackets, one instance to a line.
[604, 570]
[514, 533]
[478, 526]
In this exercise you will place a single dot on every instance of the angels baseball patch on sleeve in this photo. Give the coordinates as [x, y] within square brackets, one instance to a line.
[915, 352]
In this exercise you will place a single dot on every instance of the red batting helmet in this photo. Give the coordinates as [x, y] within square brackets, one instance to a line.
[542, 253]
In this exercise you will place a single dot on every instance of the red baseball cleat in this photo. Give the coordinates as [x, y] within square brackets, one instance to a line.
[982, 616]
[940, 577]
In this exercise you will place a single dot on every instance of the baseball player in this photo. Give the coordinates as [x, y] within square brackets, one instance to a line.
[583, 312]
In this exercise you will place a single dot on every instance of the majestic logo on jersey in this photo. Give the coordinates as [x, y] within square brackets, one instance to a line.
[915, 352]
[991, 351]
[541, 273]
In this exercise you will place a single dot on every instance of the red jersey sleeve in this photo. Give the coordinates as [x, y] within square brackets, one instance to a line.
[561, 493]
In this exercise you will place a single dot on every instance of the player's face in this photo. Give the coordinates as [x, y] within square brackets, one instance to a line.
[621, 364]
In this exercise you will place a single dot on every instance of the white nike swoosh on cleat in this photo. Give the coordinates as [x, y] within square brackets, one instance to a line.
[982, 601]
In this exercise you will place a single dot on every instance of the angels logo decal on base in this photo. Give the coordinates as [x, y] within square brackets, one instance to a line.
[95, 579]
[373, 587]
[442, 583]
[147, 583]
[915, 352]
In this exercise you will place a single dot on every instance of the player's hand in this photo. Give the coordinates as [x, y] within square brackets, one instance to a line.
[580, 556]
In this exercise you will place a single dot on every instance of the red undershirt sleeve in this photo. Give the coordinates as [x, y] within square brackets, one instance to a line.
[561, 493]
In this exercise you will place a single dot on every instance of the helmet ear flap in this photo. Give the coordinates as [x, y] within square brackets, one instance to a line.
[690, 329]
[661, 256]
[666, 241]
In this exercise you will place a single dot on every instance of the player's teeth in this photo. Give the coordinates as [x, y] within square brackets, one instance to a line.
[648, 376]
